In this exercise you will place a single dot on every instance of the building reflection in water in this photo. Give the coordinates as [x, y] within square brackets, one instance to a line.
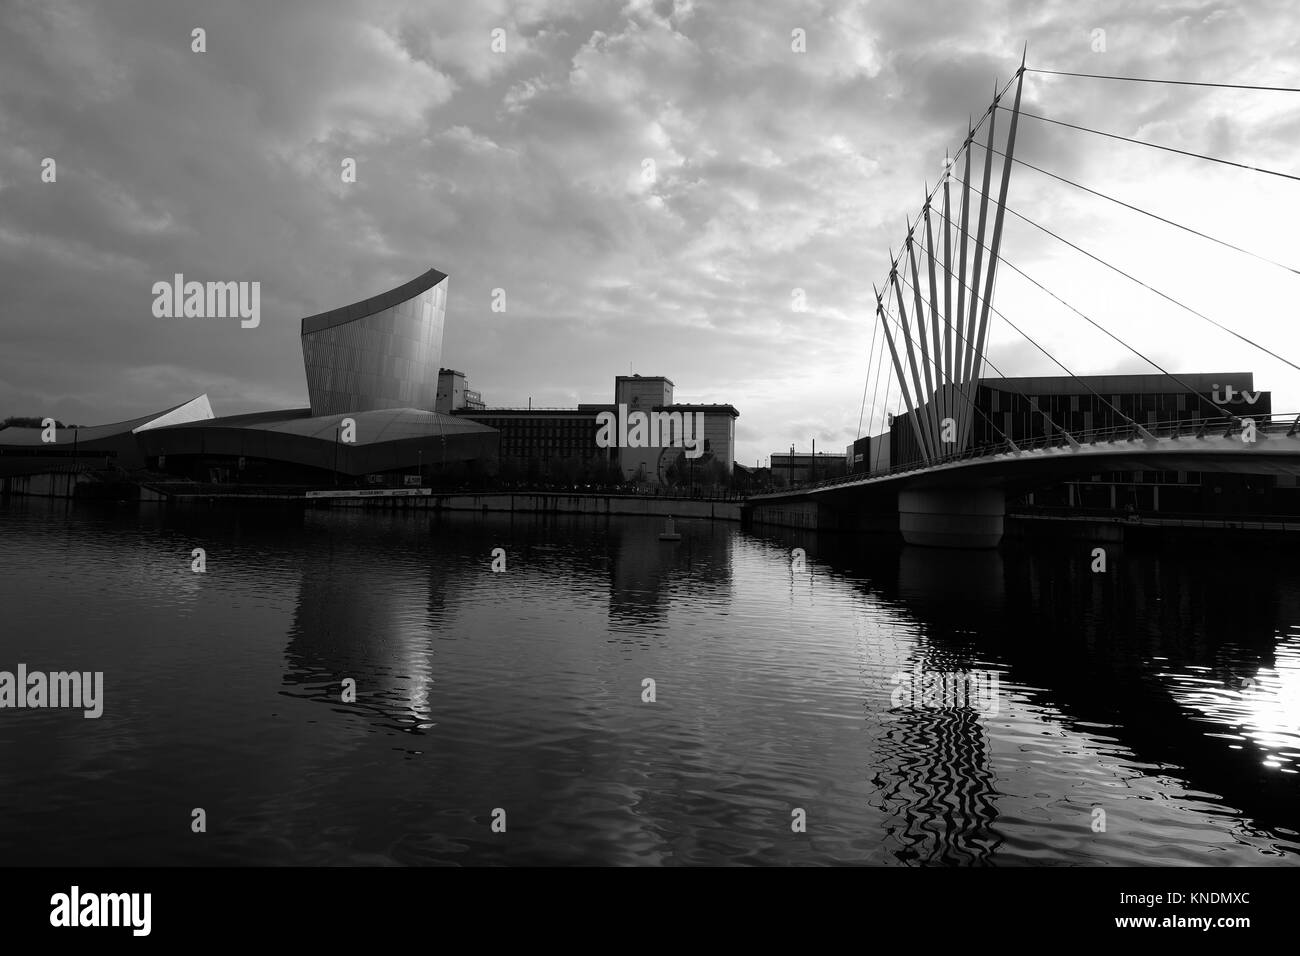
[365, 610]
[1164, 689]
[544, 658]
[647, 575]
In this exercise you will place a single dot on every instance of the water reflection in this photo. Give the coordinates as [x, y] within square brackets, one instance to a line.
[1106, 667]
[646, 572]
[1193, 684]
[1153, 691]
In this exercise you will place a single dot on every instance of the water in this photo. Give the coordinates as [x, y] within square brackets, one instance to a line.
[523, 691]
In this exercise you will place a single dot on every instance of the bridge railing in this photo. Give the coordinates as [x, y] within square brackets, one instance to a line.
[1284, 422]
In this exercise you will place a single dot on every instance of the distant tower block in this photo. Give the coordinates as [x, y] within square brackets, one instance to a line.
[383, 352]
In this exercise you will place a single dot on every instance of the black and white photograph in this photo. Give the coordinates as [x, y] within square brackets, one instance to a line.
[649, 434]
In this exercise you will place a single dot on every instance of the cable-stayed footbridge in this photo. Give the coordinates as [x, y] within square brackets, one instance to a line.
[949, 466]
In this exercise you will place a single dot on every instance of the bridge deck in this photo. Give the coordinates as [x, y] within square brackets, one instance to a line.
[1187, 446]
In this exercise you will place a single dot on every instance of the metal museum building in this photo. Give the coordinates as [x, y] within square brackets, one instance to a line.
[372, 371]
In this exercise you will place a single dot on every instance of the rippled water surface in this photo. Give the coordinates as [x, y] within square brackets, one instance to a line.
[1159, 700]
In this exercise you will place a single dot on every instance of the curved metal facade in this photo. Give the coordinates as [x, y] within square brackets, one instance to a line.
[384, 352]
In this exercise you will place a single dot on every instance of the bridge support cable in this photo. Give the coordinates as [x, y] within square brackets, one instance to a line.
[1028, 338]
[928, 404]
[866, 387]
[876, 390]
[1070, 439]
[1144, 79]
[898, 367]
[875, 330]
[1217, 409]
[1167, 149]
[911, 354]
[947, 288]
[976, 410]
[879, 404]
[1156, 216]
[915, 411]
[1150, 361]
[940, 404]
[1150, 288]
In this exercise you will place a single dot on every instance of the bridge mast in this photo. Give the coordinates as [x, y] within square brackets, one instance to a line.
[936, 396]
[898, 368]
[997, 223]
[928, 403]
[951, 369]
[927, 449]
[947, 297]
[958, 360]
[968, 356]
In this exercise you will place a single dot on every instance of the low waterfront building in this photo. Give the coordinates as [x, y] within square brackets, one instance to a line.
[868, 454]
[564, 443]
[547, 443]
[798, 467]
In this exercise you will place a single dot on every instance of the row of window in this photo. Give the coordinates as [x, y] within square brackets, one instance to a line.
[1128, 403]
[542, 447]
[545, 428]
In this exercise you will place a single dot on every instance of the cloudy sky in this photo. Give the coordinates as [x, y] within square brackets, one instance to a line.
[650, 184]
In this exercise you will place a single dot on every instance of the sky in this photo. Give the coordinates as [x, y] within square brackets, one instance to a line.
[656, 187]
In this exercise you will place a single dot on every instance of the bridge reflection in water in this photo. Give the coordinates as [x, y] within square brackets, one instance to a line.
[922, 706]
[1155, 664]
[999, 697]
[930, 758]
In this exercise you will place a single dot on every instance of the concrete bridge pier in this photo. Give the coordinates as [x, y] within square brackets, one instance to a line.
[952, 518]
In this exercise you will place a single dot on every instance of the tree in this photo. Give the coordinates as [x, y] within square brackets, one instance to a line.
[27, 421]
[714, 473]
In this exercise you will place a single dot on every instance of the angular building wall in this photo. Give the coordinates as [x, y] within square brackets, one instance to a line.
[383, 352]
